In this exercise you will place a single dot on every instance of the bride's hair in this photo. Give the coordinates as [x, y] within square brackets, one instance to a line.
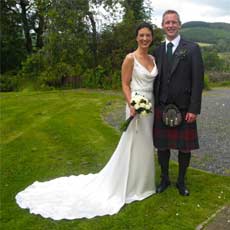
[144, 25]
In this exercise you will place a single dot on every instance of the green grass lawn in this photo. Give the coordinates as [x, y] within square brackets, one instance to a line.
[58, 133]
[224, 55]
[202, 44]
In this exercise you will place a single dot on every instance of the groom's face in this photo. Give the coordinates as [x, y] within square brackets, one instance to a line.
[171, 25]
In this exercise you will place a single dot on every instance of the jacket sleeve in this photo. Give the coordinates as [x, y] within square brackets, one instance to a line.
[156, 82]
[197, 69]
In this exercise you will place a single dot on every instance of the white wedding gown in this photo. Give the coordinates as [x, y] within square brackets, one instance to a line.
[129, 175]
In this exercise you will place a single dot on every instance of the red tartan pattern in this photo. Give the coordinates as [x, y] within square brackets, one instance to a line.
[183, 137]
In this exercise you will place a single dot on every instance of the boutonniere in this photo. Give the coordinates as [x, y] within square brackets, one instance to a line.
[181, 53]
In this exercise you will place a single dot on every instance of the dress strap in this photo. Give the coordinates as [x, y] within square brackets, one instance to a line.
[134, 56]
[151, 56]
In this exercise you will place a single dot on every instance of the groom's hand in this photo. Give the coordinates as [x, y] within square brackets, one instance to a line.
[190, 117]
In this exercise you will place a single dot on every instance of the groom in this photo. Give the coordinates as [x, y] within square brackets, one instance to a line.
[180, 82]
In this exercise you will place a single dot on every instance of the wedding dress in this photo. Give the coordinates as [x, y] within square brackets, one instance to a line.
[128, 176]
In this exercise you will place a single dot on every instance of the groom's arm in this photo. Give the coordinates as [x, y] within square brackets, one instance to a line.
[197, 77]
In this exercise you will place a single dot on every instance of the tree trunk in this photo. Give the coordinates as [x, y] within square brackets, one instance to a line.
[28, 42]
[94, 38]
[39, 31]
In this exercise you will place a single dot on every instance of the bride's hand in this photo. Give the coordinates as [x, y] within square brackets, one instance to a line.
[132, 111]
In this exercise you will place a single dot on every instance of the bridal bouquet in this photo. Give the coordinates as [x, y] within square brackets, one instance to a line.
[141, 105]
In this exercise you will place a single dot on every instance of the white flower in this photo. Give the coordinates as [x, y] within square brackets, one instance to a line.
[198, 205]
[138, 97]
[144, 113]
[142, 105]
[177, 214]
[136, 106]
[148, 106]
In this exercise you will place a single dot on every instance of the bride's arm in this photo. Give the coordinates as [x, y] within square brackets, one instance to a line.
[126, 76]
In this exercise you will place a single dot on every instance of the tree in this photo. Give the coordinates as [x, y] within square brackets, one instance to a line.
[137, 8]
[108, 5]
[211, 59]
[63, 39]
[25, 5]
[119, 39]
[13, 51]
[39, 20]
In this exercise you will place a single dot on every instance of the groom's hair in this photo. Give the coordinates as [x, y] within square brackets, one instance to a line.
[171, 12]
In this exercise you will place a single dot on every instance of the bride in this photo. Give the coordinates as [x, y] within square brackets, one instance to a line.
[128, 176]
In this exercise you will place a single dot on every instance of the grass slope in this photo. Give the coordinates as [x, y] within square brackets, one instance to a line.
[206, 35]
[51, 134]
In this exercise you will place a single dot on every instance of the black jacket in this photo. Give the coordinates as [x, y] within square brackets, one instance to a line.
[186, 75]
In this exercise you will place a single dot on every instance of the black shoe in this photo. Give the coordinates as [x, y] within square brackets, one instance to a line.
[162, 186]
[182, 189]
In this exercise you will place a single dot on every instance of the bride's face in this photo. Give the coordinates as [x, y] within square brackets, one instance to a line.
[144, 38]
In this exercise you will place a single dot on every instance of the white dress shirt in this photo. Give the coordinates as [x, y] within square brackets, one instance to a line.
[175, 43]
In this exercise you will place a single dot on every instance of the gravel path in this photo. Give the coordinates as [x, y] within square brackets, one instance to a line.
[213, 130]
[214, 133]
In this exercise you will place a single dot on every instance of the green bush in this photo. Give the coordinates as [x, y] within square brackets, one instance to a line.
[98, 78]
[102, 78]
[9, 82]
[220, 84]
[33, 66]
[53, 75]
[116, 80]
[40, 75]
[206, 82]
[87, 79]
[37, 73]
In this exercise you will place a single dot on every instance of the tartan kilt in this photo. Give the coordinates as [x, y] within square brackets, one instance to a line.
[184, 137]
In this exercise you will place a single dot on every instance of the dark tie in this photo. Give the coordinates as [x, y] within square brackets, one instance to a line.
[169, 52]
